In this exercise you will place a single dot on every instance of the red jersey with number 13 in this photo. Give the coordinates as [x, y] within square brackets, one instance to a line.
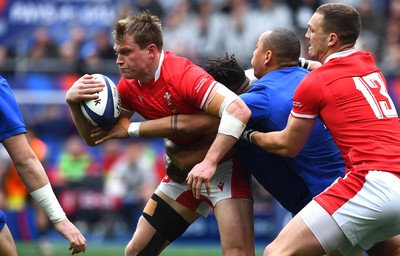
[350, 95]
[179, 87]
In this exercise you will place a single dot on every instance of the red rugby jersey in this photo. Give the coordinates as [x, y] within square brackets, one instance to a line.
[350, 95]
[179, 87]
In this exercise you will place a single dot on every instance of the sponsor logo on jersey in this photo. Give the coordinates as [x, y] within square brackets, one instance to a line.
[221, 185]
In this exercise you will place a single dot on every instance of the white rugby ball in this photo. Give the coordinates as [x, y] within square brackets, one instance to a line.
[105, 110]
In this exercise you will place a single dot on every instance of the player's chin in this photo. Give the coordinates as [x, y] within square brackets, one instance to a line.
[126, 74]
[310, 50]
[311, 53]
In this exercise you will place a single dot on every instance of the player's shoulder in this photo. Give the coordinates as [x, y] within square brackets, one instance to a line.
[318, 75]
[4, 83]
[176, 63]
[175, 67]
[6, 94]
[171, 59]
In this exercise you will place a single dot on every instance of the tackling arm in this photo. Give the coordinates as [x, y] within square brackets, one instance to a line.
[288, 142]
[179, 126]
[309, 64]
[189, 125]
[165, 127]
[234, 116]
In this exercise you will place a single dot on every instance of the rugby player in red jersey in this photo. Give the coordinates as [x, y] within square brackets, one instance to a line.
[349, 93]
[156, 83]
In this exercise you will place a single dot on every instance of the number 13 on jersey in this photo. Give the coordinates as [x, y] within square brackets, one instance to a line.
[372, 82]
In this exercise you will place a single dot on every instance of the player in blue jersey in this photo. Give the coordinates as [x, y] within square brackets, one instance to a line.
[270, 100]
[31, 171]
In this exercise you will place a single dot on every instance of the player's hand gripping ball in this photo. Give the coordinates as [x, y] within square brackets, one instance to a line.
[105, 110]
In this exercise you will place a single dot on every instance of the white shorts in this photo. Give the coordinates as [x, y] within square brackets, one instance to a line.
[355, 212]
[231, 180]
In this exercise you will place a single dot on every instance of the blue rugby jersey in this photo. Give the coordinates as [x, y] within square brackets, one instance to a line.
[292, 181]
[11, 122]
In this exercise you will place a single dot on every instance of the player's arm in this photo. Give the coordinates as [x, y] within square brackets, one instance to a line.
[288, 142]
[165, 127]
[234, 116]
[179, 126]
[83, 89]
[309, 64]
[28, 165]
[193, 124]
[35, 179]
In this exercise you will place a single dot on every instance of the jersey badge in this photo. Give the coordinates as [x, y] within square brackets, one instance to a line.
[167, 96]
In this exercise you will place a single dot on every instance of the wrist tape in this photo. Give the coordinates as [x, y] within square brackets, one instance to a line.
[304, 63]
[246, 135]
[48, 201]
[133, 129]
[230, 125]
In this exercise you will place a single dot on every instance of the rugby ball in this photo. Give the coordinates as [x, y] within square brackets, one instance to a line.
[105, 110]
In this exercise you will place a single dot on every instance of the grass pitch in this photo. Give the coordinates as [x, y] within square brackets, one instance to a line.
[32, 249]
[61, 249]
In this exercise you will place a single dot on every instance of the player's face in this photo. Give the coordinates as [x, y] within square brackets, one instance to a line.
[132, 61]
[317, 38]
[258, 60]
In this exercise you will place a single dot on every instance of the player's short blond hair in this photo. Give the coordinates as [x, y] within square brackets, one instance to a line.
[145, 28]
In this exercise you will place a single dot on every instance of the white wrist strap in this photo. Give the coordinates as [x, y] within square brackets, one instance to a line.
[304, 63]
[133, 129]
[230, 125]
[48, 201]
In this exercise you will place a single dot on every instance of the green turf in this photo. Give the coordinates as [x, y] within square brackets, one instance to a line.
[32, 249]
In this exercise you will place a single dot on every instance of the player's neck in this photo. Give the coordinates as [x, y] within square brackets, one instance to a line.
[244, 87]
[151, 72]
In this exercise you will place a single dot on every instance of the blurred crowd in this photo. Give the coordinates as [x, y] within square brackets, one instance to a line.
[123, 174]
[103, 190]
[97, 188]
[199, 29]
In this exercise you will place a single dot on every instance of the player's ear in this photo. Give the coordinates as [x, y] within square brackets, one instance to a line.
[332, 39]
[268, 56]
[151, 51]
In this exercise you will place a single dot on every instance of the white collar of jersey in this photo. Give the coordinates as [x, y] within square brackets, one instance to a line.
[158, 71]
[340, 54]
